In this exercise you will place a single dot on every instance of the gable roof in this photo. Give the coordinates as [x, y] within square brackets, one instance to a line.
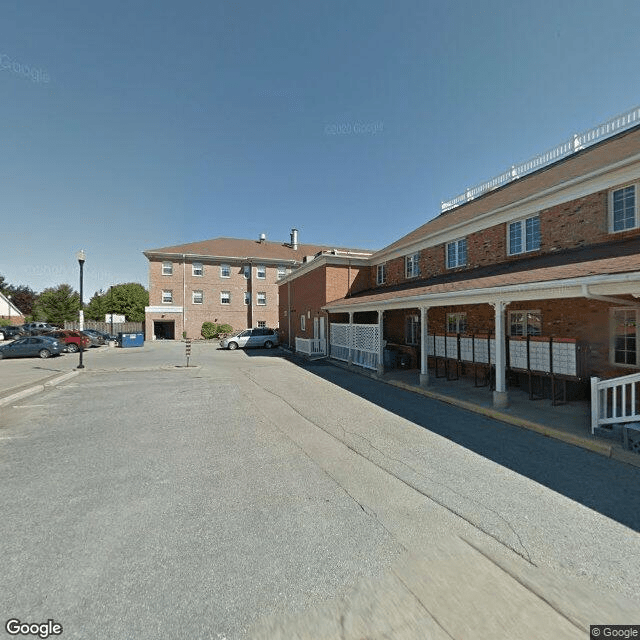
[242, 248]
[616, 149]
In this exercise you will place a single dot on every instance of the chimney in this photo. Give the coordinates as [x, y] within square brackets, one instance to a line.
[294, 239]
[263, 237]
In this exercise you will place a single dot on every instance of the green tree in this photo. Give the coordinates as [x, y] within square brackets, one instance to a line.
[57, 305]
[129, 300]
[22, 297]
[97, 308]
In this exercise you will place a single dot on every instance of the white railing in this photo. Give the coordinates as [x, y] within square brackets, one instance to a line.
[615, 401]
[361, 341]
[311, 346]
[576, 143]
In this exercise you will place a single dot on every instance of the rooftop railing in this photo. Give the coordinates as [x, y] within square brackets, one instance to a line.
[576, 143]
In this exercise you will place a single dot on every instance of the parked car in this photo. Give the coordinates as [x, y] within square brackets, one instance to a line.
[260, 337]
[71, 339]
[106, 337]
[10, 332]
[96, 339]
[31, 346]
[37, 328]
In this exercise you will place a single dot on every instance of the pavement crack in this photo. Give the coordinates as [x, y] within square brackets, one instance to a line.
[522, 552]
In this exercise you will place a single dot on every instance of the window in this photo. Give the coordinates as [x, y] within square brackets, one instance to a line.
[197, 297]
[622, 205]
[524, 235]
[412, 330]
[525, 323]
[381, 275]
[261, 271]
[457, 322]
[282, 271]
[246, 270]
[225, 297]
[247, 297]
[457, 254]
[262, 324]
[197, 269]
[167, 296]
[303, 323]
[412, 265]
[225, 271]
[624, 347]
[261, 298]
[167, 268]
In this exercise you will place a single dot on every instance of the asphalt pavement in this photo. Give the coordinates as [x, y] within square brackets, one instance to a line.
[250, 495]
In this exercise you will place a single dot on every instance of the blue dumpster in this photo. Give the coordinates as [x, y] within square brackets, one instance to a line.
[131, 339]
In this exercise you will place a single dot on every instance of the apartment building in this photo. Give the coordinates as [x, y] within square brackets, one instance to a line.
[536, 270]
[224, 280]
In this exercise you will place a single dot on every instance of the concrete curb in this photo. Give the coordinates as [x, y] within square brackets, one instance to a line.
[37, 388]
[601, 448]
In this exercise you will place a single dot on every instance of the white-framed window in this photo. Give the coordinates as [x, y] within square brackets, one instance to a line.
[412, 265]
[225, 297]
[457, 253]
[197, 269]
[457, 322]
[167, 296]
[261, 298]
[525, 323]
[412, 330]
[261, 271]
[262, 324]
[623, 208]
[282, 271]
[247, 297]
[167, 268]
[524, 235]
[381, 274]
[246, 271]
[197, 297]
[303, 323]
[225, 270]
[624, 337]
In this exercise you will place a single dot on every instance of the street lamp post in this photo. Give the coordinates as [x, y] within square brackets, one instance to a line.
[81, 258]
[9, 299]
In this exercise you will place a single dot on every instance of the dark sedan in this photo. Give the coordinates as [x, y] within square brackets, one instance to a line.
[31, 347]
[10, 332]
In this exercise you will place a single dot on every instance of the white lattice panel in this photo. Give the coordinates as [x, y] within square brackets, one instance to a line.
[466, 349]
[340, 352]
[366, 337]
[565, 358]
[429, 345]
[485, 349]
[518, 354]
[539, 356]
[440, 346]
[340, 334]
[452, 347]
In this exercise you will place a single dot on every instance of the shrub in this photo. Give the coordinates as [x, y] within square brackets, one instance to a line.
[224, 328]
[209, 330]
[4, 322]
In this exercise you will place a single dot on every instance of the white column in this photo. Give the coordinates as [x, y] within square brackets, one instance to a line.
[380, 342]
[424, 333]
[500, 397]
[350, 361]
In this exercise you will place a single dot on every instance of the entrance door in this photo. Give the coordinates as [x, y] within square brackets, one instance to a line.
[315, 328]
[322, 328]
[164, 330]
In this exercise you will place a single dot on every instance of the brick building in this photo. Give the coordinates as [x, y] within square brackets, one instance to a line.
[9, 311]
[224, 280]
[536, 270]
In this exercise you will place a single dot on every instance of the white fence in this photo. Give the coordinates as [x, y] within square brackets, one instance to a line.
[615, 401]
[579, 141]
[311, 346]
[362, 341]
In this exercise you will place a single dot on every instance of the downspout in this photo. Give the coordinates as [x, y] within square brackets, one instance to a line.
[184, 293]
[594, 296]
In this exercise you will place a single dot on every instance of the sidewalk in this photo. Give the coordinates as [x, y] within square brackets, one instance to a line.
[570, 422]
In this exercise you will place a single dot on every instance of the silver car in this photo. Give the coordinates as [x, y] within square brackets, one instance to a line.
[260, 337]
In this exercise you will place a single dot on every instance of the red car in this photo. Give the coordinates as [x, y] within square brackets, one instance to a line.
[72, 339]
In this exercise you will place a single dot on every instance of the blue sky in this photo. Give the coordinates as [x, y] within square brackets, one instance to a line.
[157, 123]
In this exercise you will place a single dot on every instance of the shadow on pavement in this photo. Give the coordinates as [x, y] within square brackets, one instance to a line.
[607, 486]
